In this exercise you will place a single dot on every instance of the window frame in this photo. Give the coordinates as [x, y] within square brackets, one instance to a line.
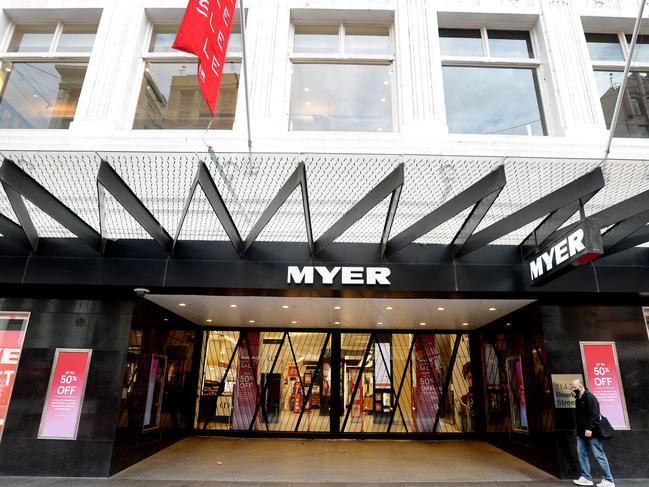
[616, 67]
[49, 56]
[488, 61]
[147, 56]
[341, 57]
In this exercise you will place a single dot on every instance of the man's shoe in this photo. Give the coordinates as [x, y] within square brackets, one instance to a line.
[583, 481]
[606, 483]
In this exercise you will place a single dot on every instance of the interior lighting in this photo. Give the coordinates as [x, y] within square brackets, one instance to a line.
[166, 319]
[233, 306]
[182, 305]
[308, 103]
[208, 321]
[307, 89]
[285, 306]
[251, 321]
[389, 307]
[336, 307]
[386, 82]
[382, 100]
[441, 308]
[465, 324]
[492, 309]
[380, 323]
[422, 324]
[336, 322]
[294, 322]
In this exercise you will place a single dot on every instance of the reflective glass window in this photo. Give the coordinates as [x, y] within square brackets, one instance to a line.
[604, 47]
[341, 97]
[39, 95]
[510, 44]
[170, 98]
[641, 53]
[32, 38]
[163, 35]
[461, 42]
[370, 39]
[483, 100]
[633, 120]
[77, 38]
[316, 39]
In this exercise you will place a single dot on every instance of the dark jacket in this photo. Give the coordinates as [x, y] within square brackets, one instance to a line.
[587, 413]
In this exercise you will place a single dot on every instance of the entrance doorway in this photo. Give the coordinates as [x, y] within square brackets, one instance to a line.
[336, 383]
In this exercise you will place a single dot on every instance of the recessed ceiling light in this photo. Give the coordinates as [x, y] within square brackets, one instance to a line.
[294, 322]
[285, 306]
[422, 324]
[380, 323]
[308, 103]
[465, 324]
[389, 307]
[182, 305]
[382, 100]
[307, 90]
[233, 306]
[166, 319]
[336, 322]
[441, 308]
[508, 324]
[251, 321]
[492, 309]
[208, 321]
[386, 82]
[336, 307]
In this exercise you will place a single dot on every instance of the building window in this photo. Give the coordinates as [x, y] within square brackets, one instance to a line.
[343, 78]
[608, 56]
[41, 75]
[491, 82]
[170, 97]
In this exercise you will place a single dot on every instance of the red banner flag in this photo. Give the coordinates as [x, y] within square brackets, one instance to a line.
[205, 32]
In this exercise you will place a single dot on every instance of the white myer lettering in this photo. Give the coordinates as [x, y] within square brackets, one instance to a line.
[297, 276]
[558, 254]
[371, 276]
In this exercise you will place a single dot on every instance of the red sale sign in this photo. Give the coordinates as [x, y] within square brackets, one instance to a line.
[246, 390]
[205, 32]
[427, 383]
[12, 334]
[603, 379]
[65, 393]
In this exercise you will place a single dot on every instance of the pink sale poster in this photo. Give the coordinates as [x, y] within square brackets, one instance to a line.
[603, 379]
[65, 395]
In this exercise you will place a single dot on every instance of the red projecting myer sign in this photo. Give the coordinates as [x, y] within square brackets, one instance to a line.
[205, 31]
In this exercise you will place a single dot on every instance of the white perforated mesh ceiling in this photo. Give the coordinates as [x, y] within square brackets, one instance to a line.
[335, 182]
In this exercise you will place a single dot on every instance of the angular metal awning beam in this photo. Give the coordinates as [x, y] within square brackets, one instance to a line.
[542, 233]
[108, 179]
[18, 185]
[389, 185]
[204, 179]
[639, 237]
[14, 232]
[587, 184]
[298, 178]
[482, 194]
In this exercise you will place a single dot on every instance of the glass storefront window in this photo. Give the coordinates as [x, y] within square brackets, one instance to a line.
[461, 42]
[77, 38]
[367, 39]
[634, 115]
[341, 97]
[481, 100]
[510, 44]
[32, 38]
[39, 95]
[604, 47]
[316, 39]
[163, 35]
[170, 98]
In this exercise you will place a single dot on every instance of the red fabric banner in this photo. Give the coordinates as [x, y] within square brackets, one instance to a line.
[428, 376]
[205, 32]
[246, 390]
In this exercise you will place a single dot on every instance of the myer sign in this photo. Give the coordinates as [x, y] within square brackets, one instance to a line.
[581, 245]
[371, 276]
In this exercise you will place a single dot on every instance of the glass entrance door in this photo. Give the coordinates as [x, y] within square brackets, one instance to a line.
[287, 381]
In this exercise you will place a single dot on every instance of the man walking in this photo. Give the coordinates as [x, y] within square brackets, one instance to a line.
[588, 436]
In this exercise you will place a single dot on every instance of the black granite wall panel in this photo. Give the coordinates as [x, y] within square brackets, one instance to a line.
[564, 327]
[102, 326]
